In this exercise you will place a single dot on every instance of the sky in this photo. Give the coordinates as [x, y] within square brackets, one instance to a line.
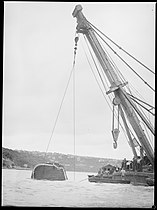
[38, 57]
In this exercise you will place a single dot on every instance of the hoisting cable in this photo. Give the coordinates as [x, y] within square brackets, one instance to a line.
[99, 76]
[139, 113]
[103, 85]
[121, 48]
[74, 123]
[138, 75]
[97, 71]
[116, 69]
[63, 96]
[125, 62]
[96, 68]
[143, 106]
[150, 140]
[133, 89]
[114, 66]
[144, 114]
[102, 57]
[142, 101]
[135, 141]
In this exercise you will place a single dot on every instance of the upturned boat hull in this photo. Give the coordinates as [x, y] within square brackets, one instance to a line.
[47, 171]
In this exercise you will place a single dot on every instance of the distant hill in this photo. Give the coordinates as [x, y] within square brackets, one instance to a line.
[28, 159]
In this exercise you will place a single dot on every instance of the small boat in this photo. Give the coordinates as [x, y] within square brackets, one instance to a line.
[49, 171]
[106, 179]
[106, 174]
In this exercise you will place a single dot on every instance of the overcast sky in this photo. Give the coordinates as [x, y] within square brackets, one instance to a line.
[38, 56]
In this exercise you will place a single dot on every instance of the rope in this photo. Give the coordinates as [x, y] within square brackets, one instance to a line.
[113, 118]
[74, 114]
[122, 48]
[148, 124]
[148, 119]
[83, 179]
[98, 73]
[103, 94]
[144, 114]
[62, 99]
[104, 87]
[74, 121]
[130, 66]
[133, 90]
[118, 116]
[114, 66]
[143, 106]
[125, 62]
[142, 101]
[102, 58]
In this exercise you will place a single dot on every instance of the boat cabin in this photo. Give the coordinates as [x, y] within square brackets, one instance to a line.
[107, 169]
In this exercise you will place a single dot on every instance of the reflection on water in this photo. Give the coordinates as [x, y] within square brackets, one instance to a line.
[18, 189]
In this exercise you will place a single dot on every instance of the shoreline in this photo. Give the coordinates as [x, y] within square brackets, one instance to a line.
[17, 168]
[20, 168]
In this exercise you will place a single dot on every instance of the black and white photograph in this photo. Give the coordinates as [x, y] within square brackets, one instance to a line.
[78, 104]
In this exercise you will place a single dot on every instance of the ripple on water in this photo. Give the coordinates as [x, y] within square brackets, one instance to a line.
[20, 190]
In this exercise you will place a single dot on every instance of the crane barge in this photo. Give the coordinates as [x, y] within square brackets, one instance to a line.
[126, 106]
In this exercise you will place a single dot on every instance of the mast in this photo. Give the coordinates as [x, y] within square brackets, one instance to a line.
[116, 87]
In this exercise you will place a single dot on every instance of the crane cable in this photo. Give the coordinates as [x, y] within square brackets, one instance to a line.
[97, 71]
[143, 107]
[99, 75]
[104, 87]
[144, 114]
[125, 62]
[116, 68]
[142, 101]
[65, 91]
[121, 48]
[133, 99]
[124, 131]
[74, 123]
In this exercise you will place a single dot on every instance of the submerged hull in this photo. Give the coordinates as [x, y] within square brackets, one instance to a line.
[53, 172]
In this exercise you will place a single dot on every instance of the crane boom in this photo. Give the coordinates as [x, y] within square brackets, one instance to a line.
[116, 87]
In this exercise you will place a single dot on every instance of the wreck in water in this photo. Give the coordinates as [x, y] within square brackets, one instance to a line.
[49, 171]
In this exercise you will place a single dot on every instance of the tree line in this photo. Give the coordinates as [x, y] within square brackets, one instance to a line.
[28, 159]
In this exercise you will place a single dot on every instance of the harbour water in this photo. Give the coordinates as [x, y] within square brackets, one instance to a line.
[18, 189]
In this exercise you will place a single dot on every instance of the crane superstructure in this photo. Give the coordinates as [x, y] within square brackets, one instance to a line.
[121, 97]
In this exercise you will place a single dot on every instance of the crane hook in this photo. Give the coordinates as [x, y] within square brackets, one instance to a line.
[115, 131]
[76, 40]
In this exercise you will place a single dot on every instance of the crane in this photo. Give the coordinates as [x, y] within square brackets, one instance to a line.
[121, 98]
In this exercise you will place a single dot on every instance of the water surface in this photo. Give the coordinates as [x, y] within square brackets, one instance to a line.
[18, 189]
